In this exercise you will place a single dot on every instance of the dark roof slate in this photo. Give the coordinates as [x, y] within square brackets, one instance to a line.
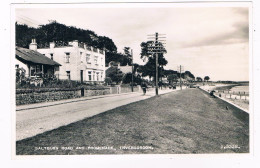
[34, 57]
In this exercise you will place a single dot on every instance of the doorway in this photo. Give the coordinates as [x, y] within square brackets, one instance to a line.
[81, 76]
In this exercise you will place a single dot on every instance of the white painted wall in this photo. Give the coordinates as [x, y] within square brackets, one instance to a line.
[77, 62]
[22, 65]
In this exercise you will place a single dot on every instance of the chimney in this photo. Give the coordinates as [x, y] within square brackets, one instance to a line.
[52, 45]
[33, 45]
[75, 43]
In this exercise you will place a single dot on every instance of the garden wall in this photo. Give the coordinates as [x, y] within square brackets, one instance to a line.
[34, 97]
[28, 96]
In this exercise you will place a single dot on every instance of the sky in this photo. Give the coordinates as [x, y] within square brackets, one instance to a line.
[208, 41]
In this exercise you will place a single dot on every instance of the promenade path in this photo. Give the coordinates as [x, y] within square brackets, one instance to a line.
[37, 118]
[187, 121]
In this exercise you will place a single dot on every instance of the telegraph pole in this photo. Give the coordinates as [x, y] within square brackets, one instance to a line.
[156, 48]
[156, 64]
[132, 83]
[180, 69]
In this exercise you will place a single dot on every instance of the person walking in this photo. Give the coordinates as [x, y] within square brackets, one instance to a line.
[144, 86]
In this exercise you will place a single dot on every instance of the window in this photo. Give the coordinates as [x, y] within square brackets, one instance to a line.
[81, 59]
[96, 60]
[38, 68]
[88, 58]
[89, 75]
[51, 56]
[94, 75]
[67, 57]
[68, 75]
[17, 66]
[97, 76]
[34, 69]
[89, 48]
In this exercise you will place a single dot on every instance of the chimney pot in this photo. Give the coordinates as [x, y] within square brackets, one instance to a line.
[33, 45]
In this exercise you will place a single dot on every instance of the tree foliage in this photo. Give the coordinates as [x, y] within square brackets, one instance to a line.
[172, 78]
[117, 57]
[114, 74]
[55, 31]
[206, 78]
[199, 79]
[128, 78]
[149, 68]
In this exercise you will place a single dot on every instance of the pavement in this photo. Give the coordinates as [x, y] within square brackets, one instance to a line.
[38, 118]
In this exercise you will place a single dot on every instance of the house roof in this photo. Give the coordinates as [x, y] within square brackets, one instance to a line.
[126, 69]
[34, 57]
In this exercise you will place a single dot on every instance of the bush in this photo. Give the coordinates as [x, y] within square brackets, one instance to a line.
[108, 80]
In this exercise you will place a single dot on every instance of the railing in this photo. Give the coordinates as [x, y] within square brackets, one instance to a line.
[232, 94]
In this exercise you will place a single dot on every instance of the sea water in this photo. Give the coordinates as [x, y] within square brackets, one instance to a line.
[241, 88]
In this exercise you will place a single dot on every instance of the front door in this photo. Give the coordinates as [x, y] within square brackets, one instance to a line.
[81, 76]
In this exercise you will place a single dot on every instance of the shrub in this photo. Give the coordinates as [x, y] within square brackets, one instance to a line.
[108, 80]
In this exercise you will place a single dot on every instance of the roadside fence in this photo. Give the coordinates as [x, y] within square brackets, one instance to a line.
[232, 94]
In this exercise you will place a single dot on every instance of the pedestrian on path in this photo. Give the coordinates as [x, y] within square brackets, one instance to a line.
[144, 86]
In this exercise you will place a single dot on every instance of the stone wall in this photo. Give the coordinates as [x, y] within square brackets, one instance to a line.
[89, 93]
[34, 97]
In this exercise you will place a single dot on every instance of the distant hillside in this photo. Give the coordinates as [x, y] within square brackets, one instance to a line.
[55, 31]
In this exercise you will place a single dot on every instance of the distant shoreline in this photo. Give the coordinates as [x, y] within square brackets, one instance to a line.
[224, 87]
[227, 87]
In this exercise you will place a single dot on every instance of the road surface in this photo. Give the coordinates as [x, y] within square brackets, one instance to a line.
[32, 121]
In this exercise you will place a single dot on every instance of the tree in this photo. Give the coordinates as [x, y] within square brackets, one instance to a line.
[128, 78]
[108, 80]
[114, 74]
[189, 76]
[20, 75]
[206, 78]
[55, 31]
[169, 72]
[199, 79]
[118, 57]
[149, 68]
[172, 78]
[128, 55]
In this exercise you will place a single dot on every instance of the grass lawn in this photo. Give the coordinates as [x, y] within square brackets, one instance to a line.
[187, 121]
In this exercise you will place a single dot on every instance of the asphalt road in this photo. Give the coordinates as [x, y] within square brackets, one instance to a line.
[30, 122]
[187, 121]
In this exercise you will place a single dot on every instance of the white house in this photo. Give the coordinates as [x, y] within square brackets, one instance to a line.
[79, 61]
[34, 62]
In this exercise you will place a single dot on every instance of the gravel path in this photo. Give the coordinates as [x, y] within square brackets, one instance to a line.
[187, 121]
